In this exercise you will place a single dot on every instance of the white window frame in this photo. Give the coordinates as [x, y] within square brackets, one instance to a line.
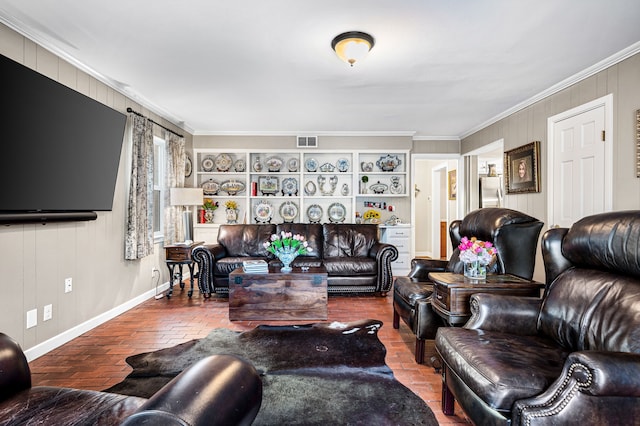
[159, 152]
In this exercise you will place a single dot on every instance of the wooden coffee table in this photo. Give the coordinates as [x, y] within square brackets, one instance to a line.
[296, 295]
[452, 292]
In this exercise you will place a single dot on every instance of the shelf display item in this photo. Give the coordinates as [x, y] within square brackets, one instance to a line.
[310, 188]
[311, 164]
[188, 166]
[257, 165]
[292, 164]
[333, 182]
[232, 187]
[327, 168]
[239, 165]
[388, 163]
[342, 165]
[379, 188]
[268, 185]
[274, 164]
[207, 164]
[288, 211]
[396, 187]
[337, 213]
[366, 166]
[314, 213]
[223, 162]
[210, 187]
[289, 186]
[263, 212]
[345, 189]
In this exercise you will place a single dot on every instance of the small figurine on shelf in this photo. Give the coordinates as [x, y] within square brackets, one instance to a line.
[209, 207]
[232, 211]
[358, 218]
[363, 184]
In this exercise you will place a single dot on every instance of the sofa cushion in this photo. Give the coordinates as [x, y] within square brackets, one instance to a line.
[586, 309]
[63, 406]
[246, 240]
[340, 266]
[347, 240]
[501, 368]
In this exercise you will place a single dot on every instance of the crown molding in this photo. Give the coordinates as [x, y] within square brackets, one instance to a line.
[307, 133]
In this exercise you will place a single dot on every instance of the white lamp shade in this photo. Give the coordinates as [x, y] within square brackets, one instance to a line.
[186, 196]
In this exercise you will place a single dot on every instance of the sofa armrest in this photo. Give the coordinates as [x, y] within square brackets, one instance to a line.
[206, 256]
[420, 268]
[15, 374]
[384, 254]
[586, 377]
[505, 313]
[217, 390]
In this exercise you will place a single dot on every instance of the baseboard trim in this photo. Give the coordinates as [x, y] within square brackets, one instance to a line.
[68, 335]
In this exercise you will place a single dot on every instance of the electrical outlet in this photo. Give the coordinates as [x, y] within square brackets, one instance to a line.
[32, 318]
[47, 312]
[68, 285]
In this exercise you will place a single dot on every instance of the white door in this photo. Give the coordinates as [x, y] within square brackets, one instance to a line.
[580, 171]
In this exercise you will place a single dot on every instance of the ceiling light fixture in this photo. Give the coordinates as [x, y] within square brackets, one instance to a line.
[352, 46]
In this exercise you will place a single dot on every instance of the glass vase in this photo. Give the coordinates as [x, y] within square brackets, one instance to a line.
[475, 270]
[286, 256]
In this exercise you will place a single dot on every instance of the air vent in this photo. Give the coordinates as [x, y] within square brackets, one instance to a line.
[307, 141]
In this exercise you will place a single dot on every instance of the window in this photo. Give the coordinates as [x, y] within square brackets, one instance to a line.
[158, 188]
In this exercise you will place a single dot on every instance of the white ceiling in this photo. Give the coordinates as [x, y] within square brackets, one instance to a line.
[439, 68]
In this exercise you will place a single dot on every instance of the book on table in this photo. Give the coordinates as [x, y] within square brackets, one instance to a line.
[255, 266]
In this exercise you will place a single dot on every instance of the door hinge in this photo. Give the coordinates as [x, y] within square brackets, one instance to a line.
[603, 134]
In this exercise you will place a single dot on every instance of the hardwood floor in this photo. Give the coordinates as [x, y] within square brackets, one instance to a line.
[96, 359]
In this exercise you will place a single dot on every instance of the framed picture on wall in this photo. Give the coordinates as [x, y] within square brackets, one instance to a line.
[452, 184]
[522, 169]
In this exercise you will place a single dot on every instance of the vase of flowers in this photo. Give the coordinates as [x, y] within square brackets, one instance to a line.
[476, 255]
[231, 211]
[209, 206]
[371, 216]
[286, 247]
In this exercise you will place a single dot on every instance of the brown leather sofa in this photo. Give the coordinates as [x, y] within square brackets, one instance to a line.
[355, 260]
[572, 357]
[514, 234]
[217, 390]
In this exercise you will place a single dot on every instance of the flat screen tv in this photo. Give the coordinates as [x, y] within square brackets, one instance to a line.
[60, 149]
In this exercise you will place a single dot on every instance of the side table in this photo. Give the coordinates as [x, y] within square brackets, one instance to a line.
[178, 255]
[452, 292]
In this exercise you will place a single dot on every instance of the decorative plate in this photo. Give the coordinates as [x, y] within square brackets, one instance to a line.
[388, 163]
[210, 187]
[342, 165]
[223, 162]
[288, 211]
[310, 188]
[274, 164]
[263, 211]
[207, 164]
[289, 186]
[188, 166]
[379, 188]
[239, 165]
[311, 164]
[327, 167]
[366, 166]
[232, 187]
[314, 213]
[292, 164]
[337, 212]
[268, 185]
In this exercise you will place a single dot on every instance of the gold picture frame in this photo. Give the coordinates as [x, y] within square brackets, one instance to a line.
[452, 183]
[522, 166]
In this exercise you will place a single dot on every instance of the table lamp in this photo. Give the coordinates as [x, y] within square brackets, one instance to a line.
[186, 197]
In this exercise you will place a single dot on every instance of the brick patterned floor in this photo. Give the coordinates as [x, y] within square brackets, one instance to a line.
[96, 359]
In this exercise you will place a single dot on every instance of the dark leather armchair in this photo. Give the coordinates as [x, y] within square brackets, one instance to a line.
[191, 398]
[514, 234]
[572, 357]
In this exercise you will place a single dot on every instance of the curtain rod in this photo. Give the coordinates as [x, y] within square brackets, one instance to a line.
[157, 124]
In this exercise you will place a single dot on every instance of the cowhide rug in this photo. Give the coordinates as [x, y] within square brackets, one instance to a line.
[317, 374]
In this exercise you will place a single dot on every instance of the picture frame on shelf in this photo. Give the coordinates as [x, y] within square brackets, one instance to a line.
[268, 185]
[522, 169]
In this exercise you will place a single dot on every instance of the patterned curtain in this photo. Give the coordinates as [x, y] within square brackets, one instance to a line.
[139, 237]
[174, 178]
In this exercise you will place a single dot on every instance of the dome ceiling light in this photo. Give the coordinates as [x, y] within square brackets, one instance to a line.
[352, 46]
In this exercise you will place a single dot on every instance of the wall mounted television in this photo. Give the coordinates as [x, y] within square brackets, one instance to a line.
[60, 149]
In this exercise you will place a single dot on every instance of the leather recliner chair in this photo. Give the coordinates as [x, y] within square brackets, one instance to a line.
[217, 390]
[514, 234]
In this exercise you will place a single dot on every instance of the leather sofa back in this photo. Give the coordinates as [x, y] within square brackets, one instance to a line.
[594, 302]
[514, 234]
[348, 240]
[246, 240]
